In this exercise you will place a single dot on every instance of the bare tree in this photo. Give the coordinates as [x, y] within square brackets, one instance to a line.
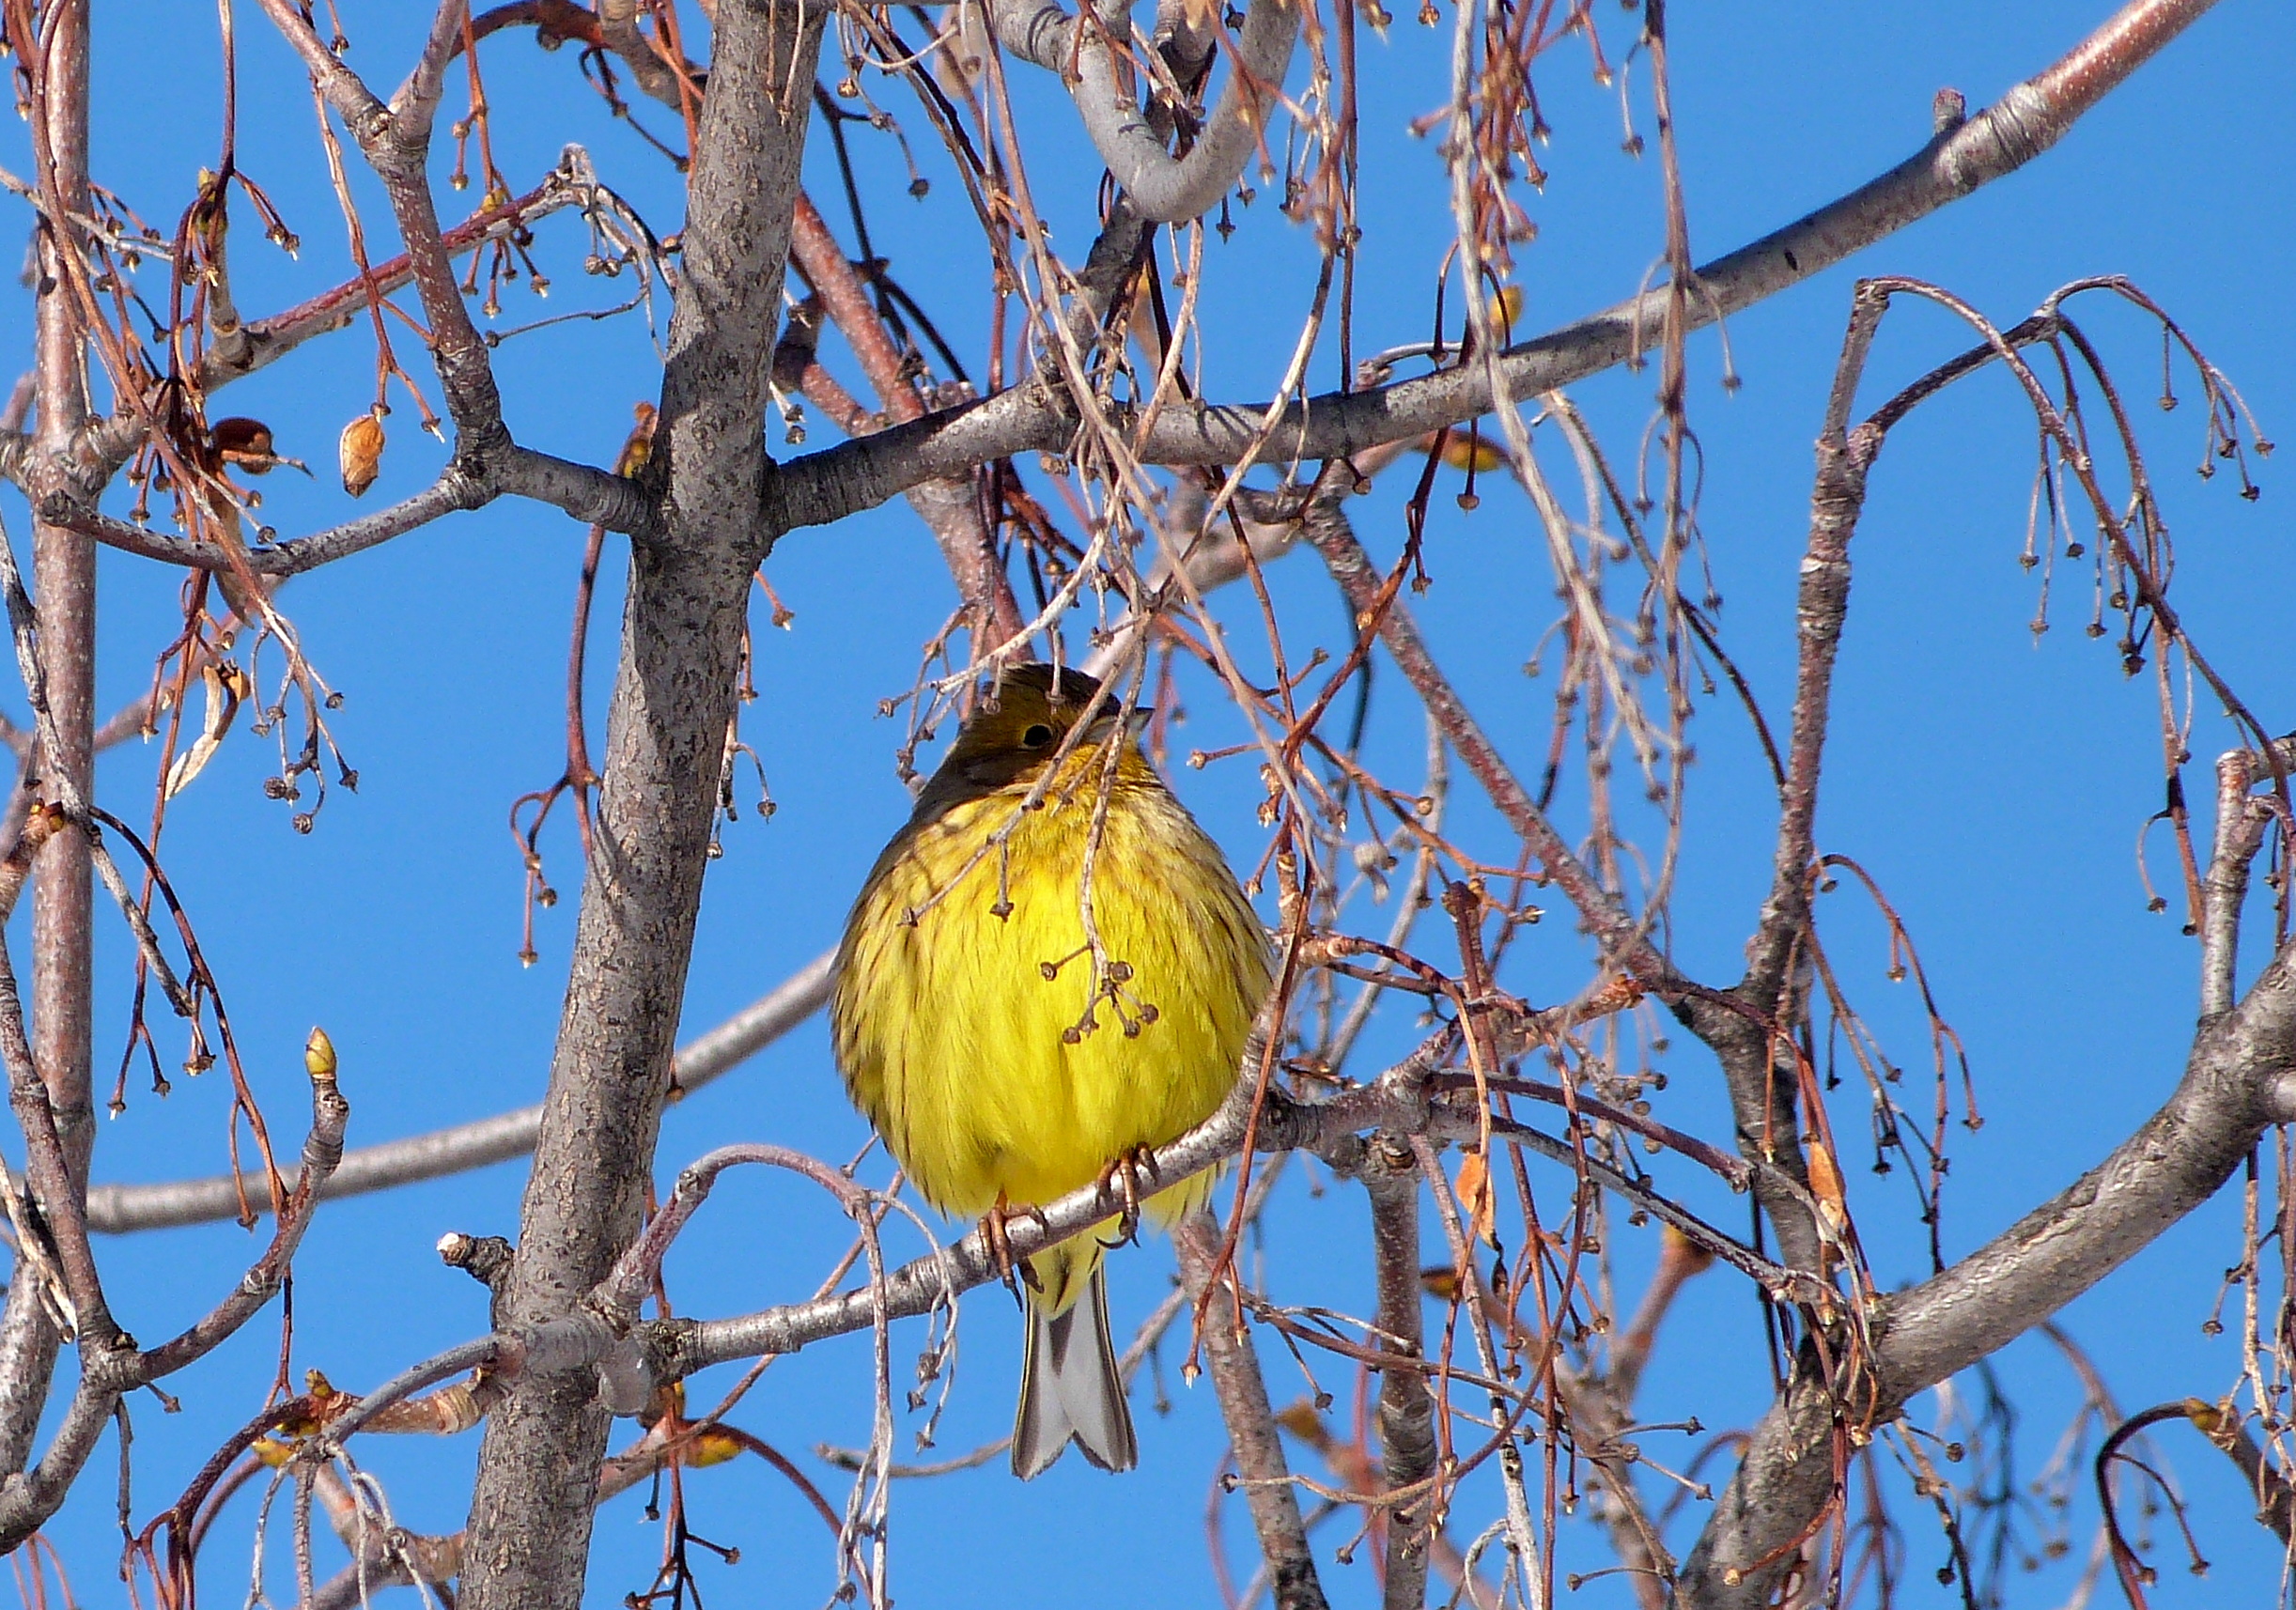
[1090, 504]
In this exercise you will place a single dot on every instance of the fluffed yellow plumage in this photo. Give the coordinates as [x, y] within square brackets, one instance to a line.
[1003, 1057]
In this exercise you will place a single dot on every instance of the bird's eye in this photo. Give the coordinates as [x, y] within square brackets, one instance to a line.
[1037, 736]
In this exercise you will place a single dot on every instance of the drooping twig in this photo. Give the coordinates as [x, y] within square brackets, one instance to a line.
[114, 1209]
[1334, 539]
[949, 505]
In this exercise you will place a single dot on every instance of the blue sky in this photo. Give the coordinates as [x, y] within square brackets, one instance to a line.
[1995, 784]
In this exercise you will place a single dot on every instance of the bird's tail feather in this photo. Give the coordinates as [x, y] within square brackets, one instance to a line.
[1069, 1387]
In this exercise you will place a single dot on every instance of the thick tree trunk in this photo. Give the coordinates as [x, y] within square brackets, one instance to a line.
[537, 1477]
[530, 1519]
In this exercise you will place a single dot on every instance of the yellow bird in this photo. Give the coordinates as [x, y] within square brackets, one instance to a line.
[1005, 1058]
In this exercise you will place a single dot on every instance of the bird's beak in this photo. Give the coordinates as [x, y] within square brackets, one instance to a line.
[1135, 723]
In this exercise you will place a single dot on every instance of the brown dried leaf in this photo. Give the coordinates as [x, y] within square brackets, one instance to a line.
[248, 444]
[1303, 1422]
[1684, 1253]
[1825, 1185]
[1474, 1187]
[226, 685]
[359, 450]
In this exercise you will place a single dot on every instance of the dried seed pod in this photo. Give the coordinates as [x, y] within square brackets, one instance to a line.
[246, 442]
[361, 453]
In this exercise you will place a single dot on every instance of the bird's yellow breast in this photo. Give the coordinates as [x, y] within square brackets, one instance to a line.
[973, 1027]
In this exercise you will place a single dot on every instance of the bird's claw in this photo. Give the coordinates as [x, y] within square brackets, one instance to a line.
[997, 1228]
[1125, 1174]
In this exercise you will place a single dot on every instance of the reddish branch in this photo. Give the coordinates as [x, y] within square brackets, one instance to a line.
[1625, 942]
[264, 341]
[698, 514]
[949, 505]
[55, 73]
[950, 443]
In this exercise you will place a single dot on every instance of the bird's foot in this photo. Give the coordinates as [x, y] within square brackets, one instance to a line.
[996, 1225]
[1133, 1175]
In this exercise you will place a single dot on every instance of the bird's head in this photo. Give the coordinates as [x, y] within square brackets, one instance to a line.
[1012, 735]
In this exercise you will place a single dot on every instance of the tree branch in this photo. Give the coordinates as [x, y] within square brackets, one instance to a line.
[55, 71]
[264, 342]
[1163, 189]
[120, 1210]
[527, 1540]
[823, 487]
[2236, 1084]
[949, 505]
[1398, 1100]
[590, 495]
[1407, 1447]
[110, 1364]
[1254, 1440]
[2242, 821]
[1332, 536]
[1758, 1066]
[322, 1152]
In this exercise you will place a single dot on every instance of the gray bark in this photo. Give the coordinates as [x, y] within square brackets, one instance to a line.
[120, 1210]
[2231, 1091]
[528, 1539]
[2033, 116]
[1163, 188]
